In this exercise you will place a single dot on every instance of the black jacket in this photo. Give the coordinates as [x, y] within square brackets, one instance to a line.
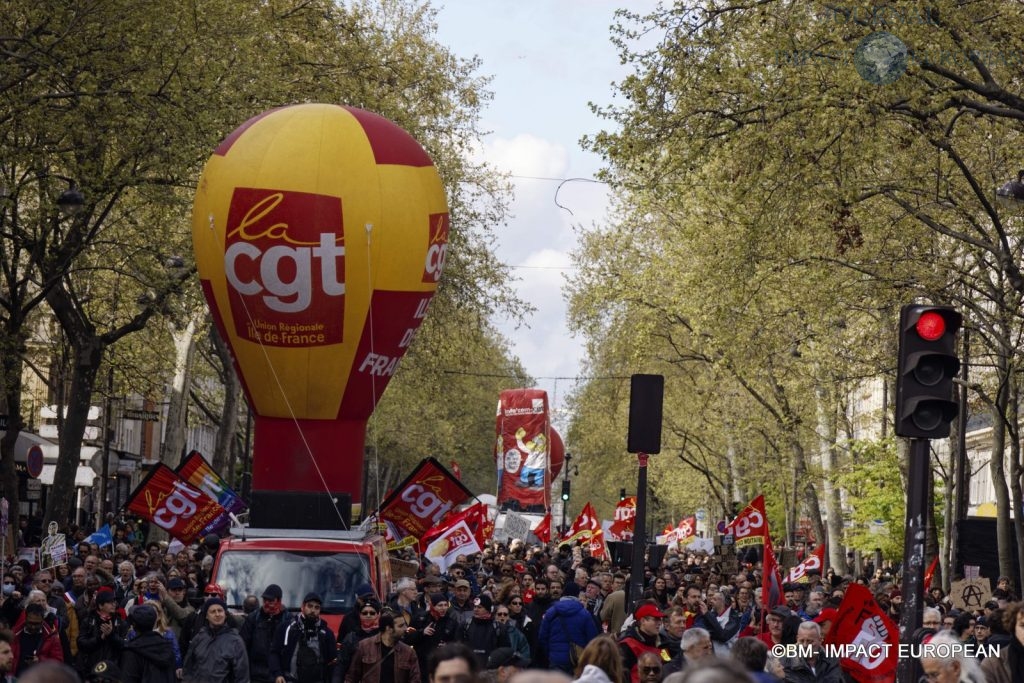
[149, 658]
[257, 633]
[93, 647]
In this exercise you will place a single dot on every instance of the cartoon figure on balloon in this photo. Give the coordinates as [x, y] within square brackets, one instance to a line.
[534, 467]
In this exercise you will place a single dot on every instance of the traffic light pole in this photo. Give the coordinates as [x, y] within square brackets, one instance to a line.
[913, 552]
[636, 574]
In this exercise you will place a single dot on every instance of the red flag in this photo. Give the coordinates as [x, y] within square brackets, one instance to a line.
[597, 545]
[173, 504]
[456, 470]
[475, 517]
[930, 573]
[814, 562]
[584, 526]
[687, 528]
[750, 526]
[625, 516]
[771, 580]
[543, 530]
[862, 622]
[422, 500]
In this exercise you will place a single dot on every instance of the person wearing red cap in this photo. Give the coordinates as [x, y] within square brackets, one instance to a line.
[825, 619]
[642, 637]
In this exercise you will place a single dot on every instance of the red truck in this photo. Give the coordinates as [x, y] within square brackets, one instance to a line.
[333, 564]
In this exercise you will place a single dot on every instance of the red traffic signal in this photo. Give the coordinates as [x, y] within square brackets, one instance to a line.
[927, 365]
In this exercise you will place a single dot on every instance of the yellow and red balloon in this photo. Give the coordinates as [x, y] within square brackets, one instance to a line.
[320, 234]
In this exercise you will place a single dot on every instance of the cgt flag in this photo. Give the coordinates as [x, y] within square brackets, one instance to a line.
[543, 530]
[625, 519]
[750, 526]
[862, 622]
[454, 541]
[771, 581]
[195, 470]
[814, 562]
[421, 501]
[173, 504]
[687, 528]
[476, 519]
[585, 526]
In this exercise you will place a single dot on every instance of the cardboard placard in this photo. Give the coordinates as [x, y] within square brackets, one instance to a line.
[970, 594]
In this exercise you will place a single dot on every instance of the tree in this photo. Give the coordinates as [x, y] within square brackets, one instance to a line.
[127, 102]
[789, 201]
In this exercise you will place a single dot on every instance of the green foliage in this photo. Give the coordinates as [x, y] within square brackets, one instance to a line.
[775, 211]
[127, 101]
[875, 497]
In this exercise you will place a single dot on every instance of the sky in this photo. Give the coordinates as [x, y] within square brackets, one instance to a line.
[548, 59]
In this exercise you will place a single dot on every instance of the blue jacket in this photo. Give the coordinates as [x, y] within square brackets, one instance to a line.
[567, 617]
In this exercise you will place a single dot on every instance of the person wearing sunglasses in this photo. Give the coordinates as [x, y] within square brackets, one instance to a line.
[369, 626]
[430, 630]
[384, 657]
[518, 641]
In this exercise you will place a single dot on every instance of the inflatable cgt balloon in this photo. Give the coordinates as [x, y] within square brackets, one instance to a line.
[320, 234]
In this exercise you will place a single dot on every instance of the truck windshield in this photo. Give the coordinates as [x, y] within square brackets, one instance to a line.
[334, 576]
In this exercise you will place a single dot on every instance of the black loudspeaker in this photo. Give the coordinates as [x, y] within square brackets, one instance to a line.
[655, 555]
[300, 510]
[622, 553]
[646, 394]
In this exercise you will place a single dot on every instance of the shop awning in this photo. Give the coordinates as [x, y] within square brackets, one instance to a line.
[83, 477]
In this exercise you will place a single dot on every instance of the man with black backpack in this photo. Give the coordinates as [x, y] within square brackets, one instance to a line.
[304, 649]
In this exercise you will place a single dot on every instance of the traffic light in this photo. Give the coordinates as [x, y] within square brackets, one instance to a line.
[622, 494]
[928, 363]
[565, 489]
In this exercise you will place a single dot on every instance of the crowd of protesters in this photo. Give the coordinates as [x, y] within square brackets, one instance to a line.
[134, 612]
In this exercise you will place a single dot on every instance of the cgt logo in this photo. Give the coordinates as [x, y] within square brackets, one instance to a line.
[750, 524]
[425, 504]
[437, 248]
[176, 508]
[284, 262]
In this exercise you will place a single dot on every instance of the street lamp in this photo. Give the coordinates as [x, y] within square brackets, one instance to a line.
[1011, 194]
[71, 201]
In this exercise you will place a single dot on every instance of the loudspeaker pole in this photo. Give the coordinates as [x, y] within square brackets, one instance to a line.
[636, 573]
[646, 394]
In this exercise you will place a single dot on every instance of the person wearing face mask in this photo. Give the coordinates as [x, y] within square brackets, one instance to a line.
[384, 657]
[430, 630]
[304, 648]
[368, 626]
[258, 633]
[10, 608]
